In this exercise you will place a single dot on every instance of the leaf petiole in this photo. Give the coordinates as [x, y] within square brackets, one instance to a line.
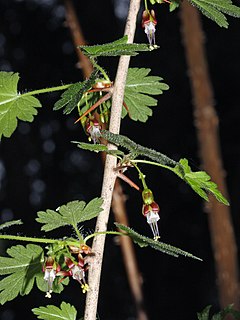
[46, 90]
[40, 240]
[104, 232]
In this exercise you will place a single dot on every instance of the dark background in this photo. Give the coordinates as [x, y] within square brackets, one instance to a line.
[40, 168]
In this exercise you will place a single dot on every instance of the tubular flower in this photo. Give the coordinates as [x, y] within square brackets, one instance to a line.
[150, 210]
[76, 271]
[50, 269]
[148, 23]
[93, 130]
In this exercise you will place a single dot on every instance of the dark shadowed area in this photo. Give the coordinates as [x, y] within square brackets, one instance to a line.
[40, 168]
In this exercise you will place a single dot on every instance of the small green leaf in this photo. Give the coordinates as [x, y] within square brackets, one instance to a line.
[72, 213]
[71, 97]
[22, 267]
[199, 181]
[116, 48]
[143, 241]
[139, 87]
[10, 223]
[13, 105]
[51, 312]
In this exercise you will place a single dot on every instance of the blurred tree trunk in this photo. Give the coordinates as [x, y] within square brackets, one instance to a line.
[206, 122]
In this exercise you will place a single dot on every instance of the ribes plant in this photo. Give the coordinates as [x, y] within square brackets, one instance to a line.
[49, 263]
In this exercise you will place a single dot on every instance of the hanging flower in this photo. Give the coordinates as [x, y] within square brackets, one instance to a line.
[76, 271]
[93, 130]
[148, 23]
[150, 210]
[50, 269]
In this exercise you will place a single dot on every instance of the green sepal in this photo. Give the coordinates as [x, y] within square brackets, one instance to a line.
[143, 241]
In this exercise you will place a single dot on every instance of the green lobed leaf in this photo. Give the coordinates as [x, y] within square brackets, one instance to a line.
[199, 181]
[139, 87]
[22, 267]
[71, 97]
[215, 10]
[13, 105]
[143, 241]
[72, 213]
[51, 312]
[116, 48]
[10, 223]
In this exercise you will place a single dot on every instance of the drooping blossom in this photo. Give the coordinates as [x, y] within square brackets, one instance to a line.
[149, 23]
[76, 271]
[50, 269]
[150, 210]
[93, 128]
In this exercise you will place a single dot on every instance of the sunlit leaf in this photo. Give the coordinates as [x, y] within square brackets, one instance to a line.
[14, 106]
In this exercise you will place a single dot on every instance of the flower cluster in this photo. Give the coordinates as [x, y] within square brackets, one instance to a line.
[70, 268]
[150, 210]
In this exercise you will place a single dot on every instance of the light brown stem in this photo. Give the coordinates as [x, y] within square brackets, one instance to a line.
[118, 201]
[206, 121]
[109, 174]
